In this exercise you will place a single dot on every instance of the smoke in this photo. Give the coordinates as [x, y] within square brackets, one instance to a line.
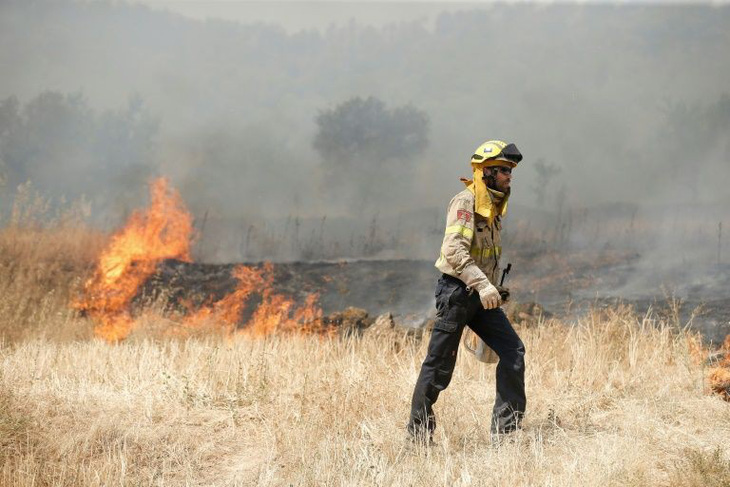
[633, 110]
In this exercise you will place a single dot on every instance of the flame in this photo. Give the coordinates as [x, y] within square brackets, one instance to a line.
[719, 376]
[277, 314]
[274, 314]
[164, 231]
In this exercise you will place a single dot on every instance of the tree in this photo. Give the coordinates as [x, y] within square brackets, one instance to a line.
[545, 173]
[361, 141]
[10, 123]
[366, 128]
[694, 139]
[67, 149]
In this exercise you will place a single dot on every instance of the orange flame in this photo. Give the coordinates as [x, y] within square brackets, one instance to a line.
[274, 314]
[163, 231]
[719, 376]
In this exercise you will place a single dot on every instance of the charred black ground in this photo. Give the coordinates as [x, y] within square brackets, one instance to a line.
[567, 287]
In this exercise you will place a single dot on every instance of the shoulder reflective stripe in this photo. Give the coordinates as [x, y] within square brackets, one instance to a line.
[460, 229]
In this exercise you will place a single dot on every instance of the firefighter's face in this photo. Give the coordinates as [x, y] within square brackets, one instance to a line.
[501, 175]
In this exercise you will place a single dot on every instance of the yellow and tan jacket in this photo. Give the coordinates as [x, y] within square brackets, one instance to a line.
[472, 245]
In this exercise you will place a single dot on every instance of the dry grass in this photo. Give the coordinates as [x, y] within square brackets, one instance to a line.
[40, 268]
[46, 252]
[612, 401]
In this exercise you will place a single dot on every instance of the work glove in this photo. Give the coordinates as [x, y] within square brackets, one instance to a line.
[503, 293]
[489, 296]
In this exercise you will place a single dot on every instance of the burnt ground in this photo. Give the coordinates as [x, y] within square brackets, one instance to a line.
[395, 286]
[565, 285]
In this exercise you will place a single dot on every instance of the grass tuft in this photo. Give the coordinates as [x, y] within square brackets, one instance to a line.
[702, 468]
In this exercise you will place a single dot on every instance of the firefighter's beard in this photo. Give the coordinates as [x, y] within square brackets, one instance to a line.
[505, 187]
[491, 182]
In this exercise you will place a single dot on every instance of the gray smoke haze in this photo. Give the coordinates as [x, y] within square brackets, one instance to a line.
[629, 102]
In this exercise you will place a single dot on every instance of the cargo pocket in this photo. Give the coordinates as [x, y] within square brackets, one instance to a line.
[444, 325]
[451, 308]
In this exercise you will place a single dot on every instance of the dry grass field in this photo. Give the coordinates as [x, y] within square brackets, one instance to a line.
[613, 399]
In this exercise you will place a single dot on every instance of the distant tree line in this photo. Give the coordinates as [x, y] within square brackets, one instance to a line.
[66, 148]
[253, 115]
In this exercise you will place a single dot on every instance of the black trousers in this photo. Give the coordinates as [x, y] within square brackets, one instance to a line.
[455, 308]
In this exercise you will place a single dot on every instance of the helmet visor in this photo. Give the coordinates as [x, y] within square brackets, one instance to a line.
[510, 153]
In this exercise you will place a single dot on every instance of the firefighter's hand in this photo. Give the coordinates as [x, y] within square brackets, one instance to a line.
[489, 296]
[503, 293]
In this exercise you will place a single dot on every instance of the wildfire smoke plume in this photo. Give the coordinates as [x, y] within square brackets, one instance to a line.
[164, 231]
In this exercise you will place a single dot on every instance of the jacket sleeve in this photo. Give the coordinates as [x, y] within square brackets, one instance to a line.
[457, 243]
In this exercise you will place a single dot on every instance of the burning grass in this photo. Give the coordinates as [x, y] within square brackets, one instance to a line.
[53, 270]
[719, 373]
[164, 230]
[613, 400]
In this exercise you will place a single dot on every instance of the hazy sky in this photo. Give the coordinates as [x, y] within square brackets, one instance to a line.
[296, 15]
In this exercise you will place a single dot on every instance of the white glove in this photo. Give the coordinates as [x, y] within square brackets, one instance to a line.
[489, 296]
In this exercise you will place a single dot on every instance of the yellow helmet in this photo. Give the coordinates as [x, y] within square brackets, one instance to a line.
[496, 153]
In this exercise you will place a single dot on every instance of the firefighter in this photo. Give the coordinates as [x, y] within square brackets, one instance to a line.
[467, 295]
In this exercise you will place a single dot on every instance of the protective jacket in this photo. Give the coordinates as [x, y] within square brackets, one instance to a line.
[472, 246]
